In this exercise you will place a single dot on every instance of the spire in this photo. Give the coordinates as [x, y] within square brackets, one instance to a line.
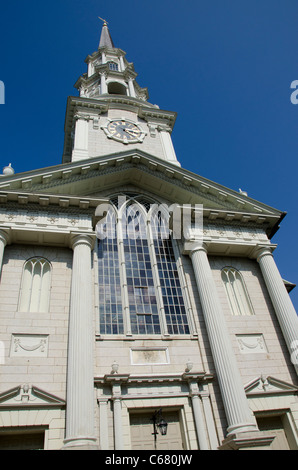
[105, 38]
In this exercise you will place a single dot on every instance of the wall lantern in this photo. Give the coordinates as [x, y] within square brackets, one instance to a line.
[163, 426]
[158, 423]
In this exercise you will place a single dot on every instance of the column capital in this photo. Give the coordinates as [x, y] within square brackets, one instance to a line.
[191, 246]
[82, 239]
[193, 389]
[263, 250]
[5, 235]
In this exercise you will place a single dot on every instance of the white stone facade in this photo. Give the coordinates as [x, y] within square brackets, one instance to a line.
[151, 369]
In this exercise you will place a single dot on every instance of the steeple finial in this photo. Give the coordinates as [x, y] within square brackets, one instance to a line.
[105, 38]
[105, 23]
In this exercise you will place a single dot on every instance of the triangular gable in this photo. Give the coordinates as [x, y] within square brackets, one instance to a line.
[269, 386]
[88, 177]
[29, 395]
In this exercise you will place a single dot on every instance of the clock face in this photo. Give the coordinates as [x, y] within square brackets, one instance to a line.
[124, 131]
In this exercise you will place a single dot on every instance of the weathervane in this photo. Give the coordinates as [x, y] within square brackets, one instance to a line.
[105, 23]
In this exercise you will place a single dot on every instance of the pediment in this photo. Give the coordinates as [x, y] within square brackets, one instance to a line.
[269, 385]
[98, 177]
[28, 395]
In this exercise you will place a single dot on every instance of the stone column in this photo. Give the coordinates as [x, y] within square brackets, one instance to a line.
[80, 378]
[122, 66]
[281, 301]
[4, 239]
[239, 416]
[198, 416]
[131, 88]
[103, 84]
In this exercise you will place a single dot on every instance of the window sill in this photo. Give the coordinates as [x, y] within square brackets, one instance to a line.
[99, 337]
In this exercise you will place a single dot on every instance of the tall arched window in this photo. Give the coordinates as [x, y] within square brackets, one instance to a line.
[35, 288]
[236, 292]
[139, 283]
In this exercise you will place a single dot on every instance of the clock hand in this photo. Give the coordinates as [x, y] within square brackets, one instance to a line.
[130, 131]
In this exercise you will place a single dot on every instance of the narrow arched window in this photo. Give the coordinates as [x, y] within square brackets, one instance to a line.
[237, 294]
[35, 288]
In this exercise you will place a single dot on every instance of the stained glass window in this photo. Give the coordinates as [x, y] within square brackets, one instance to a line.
[110, 303]
[138, 275]
[172, 296]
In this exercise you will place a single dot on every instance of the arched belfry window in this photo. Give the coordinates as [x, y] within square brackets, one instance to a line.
[35, 287]
[140, 283]
[116, 88]
[237, 294]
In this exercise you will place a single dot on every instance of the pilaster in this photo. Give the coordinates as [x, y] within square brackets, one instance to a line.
[80, 150]
[198, 415]
[103, 424]
[116, 381]
[167, 144]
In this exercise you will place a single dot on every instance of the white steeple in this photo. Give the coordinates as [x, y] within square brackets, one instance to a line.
[109, 72]
[105, 38]
[112, 113]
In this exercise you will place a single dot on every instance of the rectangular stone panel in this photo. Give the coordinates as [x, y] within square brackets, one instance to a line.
[153, 355]
[26, 345]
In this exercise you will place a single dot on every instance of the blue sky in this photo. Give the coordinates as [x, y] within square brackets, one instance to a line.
[225, 66]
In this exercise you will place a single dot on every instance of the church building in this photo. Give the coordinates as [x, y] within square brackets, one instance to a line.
[141, 307]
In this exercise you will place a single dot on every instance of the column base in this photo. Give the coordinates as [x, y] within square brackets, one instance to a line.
[255, 440]
[80, 443]
[240, 428]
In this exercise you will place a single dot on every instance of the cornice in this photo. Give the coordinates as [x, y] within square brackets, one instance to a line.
[40, 186]
[113, 51]
[154, 378]
[42, 200]
[103, 102]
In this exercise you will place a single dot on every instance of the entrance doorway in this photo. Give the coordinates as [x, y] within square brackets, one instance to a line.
[142, 437]
[22, 439]
[278, 426]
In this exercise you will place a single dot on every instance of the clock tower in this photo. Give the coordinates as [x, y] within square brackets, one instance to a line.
[112, 111]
